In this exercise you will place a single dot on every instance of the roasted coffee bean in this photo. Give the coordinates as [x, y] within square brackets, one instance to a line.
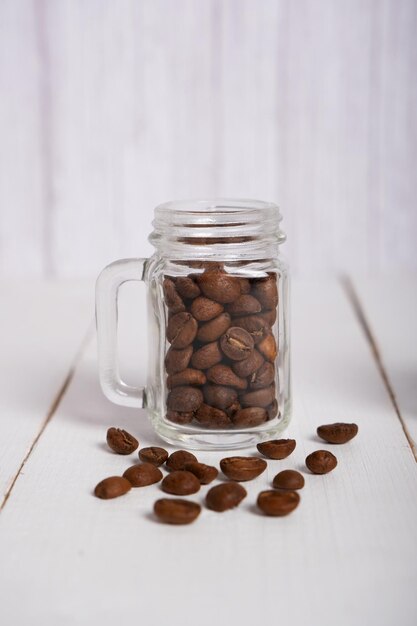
[218, 396]
[207, 356]
[260, 397]
[176, 511]
[187, 287]
[263, 377]
[242, 468]
[153, 454]
[265, 290]
[217, 285]
[277, 448]
[212, 417]
[121, 441]
[268, 347]
[272, 410]
[270, 316]
[321, 462]
[288, 479]
[244, 286]
[180, 483]
[143, 474]
[172, 299]
[212, 330]
[244, 305]
[180, 417]
[178, 460]
[186, 377]
[233, 408]
[112, 487]
[184, 399]
[278, 503]
[338, 432]
[225, 496]
[249, 365]
[181, 330]
[205, 309]
[236, 343]
[255, 325]
[205, 473]
[249, 417]
[177, 360]
[224, 375]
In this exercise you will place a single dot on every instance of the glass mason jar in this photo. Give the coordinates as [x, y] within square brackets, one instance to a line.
[219, 360]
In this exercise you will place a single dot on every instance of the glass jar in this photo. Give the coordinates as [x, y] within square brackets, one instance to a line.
[219, 360]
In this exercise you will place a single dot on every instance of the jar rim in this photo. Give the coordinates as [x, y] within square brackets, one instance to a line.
[222, 211]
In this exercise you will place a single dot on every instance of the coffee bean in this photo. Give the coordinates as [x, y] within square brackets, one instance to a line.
[205, 473]
[180, 483]
[288, 479]
[278, 503]
[260, 397]
[179, 417]
[277, 448]
[272, 410]
[263, 377]
[233, 408]
[205, 309]
[321, 462]
[212, 417]
[268, 347]
[121, 442]
[207, 356]
[186, 377]
[153, 454]
[244, 305]
[178, 460]
[255, 325]
[225, 496]
[249, 365]
[224, 375]
[249, 417]
[112, 487]
[218, 396]
[217, 285]
[212, 330]
[338, 432]
[242, 467]
[270, 316]
[236, 343]
[143, 474]
[172, 299]
[265, 290]
[176, 511]
[184, 399]
[187, 287]
[177, 360]
[181, 330]
[245, 286]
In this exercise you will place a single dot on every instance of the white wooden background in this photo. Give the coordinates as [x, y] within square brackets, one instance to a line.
[110, 107]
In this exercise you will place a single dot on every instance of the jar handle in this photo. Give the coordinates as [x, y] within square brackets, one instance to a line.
[107, 288]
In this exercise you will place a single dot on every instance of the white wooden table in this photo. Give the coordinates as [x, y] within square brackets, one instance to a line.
[346, 556]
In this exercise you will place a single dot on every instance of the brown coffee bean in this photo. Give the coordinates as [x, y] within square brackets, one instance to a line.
[263, 377]
[255, 325]
[225, 496]
[272, 410]
[179, 417]
[224, 375]
[205, 309]
[181, 330]
[338, 432]
[176, 511]
[260, 397]
[112, 487]
[249, 417]
[218, 396]
[277, 448]
[233, 408]
[186, 377]
[143, 474]
[177, 360]
[212, 417]
[249, 365]
[266, 291]
[184, 399]
[180, 483]
[212, 330]
[121, 442]
[244, 305]
[172, 299]
[288, 479]
[178, 459]
[205, 473]
[278, 503]
[321, 462]
[236, 343]
[187, 287]
[207, 356]
[242, 467]
[217, 285]
[244, 286]
[153, 454]
[268, 347]
[270, 316]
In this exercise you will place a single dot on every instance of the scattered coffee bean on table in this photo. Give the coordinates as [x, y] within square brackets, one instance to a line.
[321, 462]
[278, 503]
[178, 459]
[112, 487]
[338, 432]
[153, 454]
[180, 483]
[121, 442]
[176, 511]
[225, 496]
[277, 449]
[288, 479]
[143, 474]
[205, 473]
[242, 468]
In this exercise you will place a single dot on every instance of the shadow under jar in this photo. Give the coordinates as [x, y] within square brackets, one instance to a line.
[218, 371]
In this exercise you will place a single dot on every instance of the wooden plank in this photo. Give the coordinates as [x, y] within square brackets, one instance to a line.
[347, 555]
[42, 325]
